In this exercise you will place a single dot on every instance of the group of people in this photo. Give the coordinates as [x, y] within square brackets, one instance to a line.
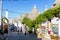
[23, 29]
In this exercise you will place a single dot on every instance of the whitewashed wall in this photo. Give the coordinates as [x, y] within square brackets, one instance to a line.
[54, 20]
[59, 28]
[18, 25]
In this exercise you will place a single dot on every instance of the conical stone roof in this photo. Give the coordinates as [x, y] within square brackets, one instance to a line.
[34, 10]
[34, 13]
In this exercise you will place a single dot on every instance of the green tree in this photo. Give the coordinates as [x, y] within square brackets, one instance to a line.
[28, 22]
[46, 15]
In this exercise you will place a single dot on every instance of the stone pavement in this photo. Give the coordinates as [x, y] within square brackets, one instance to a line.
[1, 37]
[21, 36]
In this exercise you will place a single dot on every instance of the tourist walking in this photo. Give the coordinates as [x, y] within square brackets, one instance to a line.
[24, 29]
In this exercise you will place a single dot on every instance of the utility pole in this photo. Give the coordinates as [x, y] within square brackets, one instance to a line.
[0, 14]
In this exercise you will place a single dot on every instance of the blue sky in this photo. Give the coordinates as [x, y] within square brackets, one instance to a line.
[25, 6]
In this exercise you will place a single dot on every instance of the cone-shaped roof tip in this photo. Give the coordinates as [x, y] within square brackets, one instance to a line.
[34, 5]
[46, 7]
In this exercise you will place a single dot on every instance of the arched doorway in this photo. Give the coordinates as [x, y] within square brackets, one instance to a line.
[5, 24]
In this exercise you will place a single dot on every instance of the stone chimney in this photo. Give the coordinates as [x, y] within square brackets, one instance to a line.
[6, 15]
[56, 3]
